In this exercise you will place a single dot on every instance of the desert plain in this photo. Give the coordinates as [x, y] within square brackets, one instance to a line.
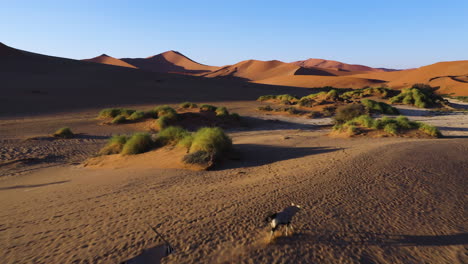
[386, 199]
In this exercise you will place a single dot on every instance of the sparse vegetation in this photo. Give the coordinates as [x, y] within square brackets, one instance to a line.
[392, 126]
[212, 140]
[199, 157]
[171, 135]
[419, 95]
[137, 143]
[348, 112]
[265, 108]
[119, 119]
[64, 132]
[283, 98]
[114, 112]
[114, 145]
[207, 108]
[381, 92]
[188, 105]
[379, 107]
[222, 112]
[137, 115]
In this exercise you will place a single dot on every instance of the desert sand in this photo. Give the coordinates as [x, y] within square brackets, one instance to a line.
[331, 64]
[106, 59]
[365, 200]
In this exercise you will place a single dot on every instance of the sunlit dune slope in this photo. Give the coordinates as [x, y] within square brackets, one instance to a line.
[106, 59]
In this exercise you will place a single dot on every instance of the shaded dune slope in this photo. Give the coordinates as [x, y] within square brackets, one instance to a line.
[106, 59]
[341, 66]
[170, 61]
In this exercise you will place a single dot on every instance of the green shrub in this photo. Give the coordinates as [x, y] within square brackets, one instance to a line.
[405, 123]
[171, 135]
[364, 120]
[236, 116]
[137, 115]
[379, 107]
[119, 119]
[199, 157]
[333, 94]
[114, 145]
[348, 112]
[113, 112]
[137, 143]
[391, 128]
[207, 108]
[429, 130]
[328, 111]
[265, 108]
[164, 122]
[64, 132]
[284, 98]
[188, 105]
[164, 110]
[352, 130]
[222, 112]
[186, 142]
[419, 95]
[212, 140]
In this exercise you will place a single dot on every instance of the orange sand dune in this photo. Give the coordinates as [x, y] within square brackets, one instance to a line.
[450, 76]
[331, 64]
[105, 59]
[170, 61]
[254, 70]
[320, 81]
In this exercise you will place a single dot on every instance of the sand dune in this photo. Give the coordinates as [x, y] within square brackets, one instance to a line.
[170, 61]
[341, 66]
[255, 70]
[106, 59]
[320, 81]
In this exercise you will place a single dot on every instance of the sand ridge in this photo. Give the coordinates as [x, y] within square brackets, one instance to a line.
[106, 59]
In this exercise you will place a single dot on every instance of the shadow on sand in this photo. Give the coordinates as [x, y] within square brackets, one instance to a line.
[31, 185]
[370, 238]
[251, 155]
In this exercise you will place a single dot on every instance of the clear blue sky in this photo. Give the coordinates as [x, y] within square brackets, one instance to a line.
[398, 34]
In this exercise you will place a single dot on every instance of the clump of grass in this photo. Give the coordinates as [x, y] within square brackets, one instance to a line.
[137, 143]
[212, 140]
[207, 108]
[188, 105]
[222, 112]
[379, 107]
[137, 115]
[348, 112]
[114, 145]
[265, 108]
[113, 112]
[164, 110]
[429, 130]
[164, 122]
[393, 126]
[284, 98]
[64, 132]
[381, 92]
[171, 135]
[199, 157]
[186, 142]
[119, 119]
[419, 95]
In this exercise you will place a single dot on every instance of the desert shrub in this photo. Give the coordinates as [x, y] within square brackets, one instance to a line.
[64, 132]
[165, 110]
[306, 102]
[114, 145]
[188, 105]
[186, 142]
[235, 116]
[429, 130]
[265, 108]
[284, 98]
[379, 107]
[461, 98]
[199, 157]
[291, 110]
[348, 112]
[212, 140]
[328, 111]
[207, 108]
[381, 92]
[391, 128]
[352, 130]
[314, 114]
[222, 112]
[171, 135]
[137, 143]
[364, 120]
[137, 115]
[164, 122]
[405, 123]
[333, 94]
[119, 119]
[419, 95]
[114, 112]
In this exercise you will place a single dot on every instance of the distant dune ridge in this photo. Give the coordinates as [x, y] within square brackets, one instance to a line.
[106, 59]
[170, 61]
[39, 83]
[340, 66]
